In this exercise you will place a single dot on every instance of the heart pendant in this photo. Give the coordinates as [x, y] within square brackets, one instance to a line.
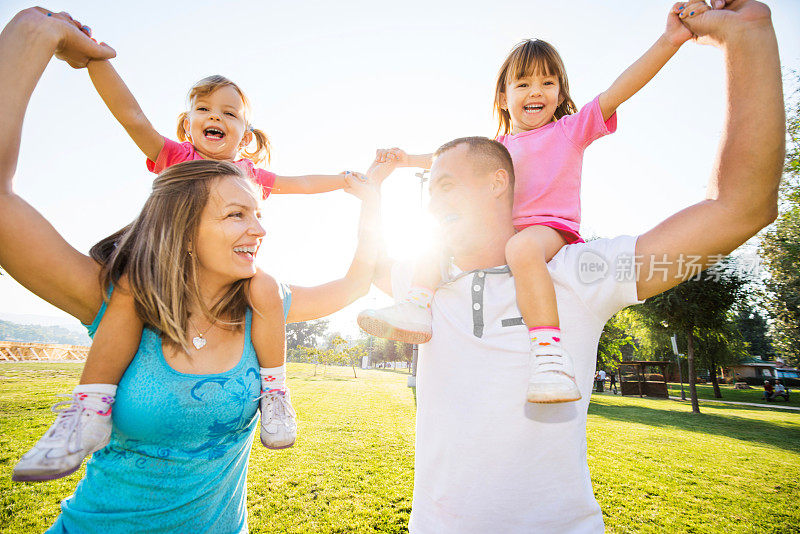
[198, 342]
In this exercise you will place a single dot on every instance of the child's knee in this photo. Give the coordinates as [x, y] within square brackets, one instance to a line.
[524, 247]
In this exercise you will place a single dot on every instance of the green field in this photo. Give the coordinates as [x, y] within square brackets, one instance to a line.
[738, 395]
[655, 466]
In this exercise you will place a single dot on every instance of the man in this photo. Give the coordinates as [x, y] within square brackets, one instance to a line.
[487, 461]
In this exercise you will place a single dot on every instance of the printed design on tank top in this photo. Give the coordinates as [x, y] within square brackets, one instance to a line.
[221, 433]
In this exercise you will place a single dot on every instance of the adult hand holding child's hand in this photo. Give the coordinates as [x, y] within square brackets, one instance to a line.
[73, 42]
[720, 25]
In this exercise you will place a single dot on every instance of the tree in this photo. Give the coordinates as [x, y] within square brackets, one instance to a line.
[697, 306]
[305, 334]
[780, 247]
[614, 341]
[754, 330]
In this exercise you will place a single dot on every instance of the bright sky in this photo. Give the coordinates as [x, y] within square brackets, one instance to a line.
[332, 81]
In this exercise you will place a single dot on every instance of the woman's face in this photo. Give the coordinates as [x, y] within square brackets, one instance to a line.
[229, 233]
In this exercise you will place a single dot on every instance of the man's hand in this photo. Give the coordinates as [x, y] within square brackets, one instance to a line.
[74, 43]
[717, 26]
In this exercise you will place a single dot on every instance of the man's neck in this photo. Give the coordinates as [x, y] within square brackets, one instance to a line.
[488, 252]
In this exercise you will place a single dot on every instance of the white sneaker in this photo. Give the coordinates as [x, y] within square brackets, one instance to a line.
[552, 376]
[278, 421]
[405, 322]
[78, 432]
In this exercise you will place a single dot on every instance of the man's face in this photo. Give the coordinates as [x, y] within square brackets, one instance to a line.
[461, 197]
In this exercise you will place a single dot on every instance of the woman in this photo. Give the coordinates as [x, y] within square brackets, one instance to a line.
[177, 460]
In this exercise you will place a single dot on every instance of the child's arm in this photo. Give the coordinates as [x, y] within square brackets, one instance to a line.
[307, 185]
[642, 71]
[125, 109]
[116, 340]
[402, 159]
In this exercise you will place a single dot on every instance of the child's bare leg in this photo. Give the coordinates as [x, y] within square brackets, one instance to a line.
[85, 426]
[116, 343]
[410, 319]
[527, 253]
[268, 333]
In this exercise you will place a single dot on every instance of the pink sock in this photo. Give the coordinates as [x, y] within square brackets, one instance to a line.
[542, 336]
[273, 379]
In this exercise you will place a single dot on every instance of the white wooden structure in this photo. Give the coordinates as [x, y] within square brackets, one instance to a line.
[16, 351]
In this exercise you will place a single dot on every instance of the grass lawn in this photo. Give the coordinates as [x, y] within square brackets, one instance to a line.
[739, 395]
[655, 466]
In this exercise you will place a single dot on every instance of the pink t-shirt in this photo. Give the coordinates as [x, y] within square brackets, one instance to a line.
[547, 167]
[174, 152]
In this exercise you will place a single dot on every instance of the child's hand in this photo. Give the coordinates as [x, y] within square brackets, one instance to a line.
[395, 154]
[676, 33]
[360, 186]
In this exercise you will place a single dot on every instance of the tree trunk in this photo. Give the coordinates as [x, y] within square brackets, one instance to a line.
[691, 373]
[712, 370]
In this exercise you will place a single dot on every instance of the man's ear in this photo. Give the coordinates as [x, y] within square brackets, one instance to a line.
[501, 183]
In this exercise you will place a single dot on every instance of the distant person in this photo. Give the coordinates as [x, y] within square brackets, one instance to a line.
[601, 380]
[613, 381]
[781, 391]
[769, 390]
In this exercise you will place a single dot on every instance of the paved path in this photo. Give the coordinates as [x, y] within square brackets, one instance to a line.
[775, 405]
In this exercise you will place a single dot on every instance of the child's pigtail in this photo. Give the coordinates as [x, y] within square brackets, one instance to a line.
[262, 150]
[183, 135]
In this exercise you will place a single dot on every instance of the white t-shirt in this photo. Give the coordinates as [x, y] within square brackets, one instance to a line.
[601, 375]
[487, 460]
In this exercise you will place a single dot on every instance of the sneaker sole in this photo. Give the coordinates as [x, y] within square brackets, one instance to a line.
[42, 477]
[378, 328]
[276, 448]
[553, 397]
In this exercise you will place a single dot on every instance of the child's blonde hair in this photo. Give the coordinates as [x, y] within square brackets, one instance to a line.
[208, 85]
[530, 57]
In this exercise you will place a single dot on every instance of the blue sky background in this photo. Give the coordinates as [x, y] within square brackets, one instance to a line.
[331, 82]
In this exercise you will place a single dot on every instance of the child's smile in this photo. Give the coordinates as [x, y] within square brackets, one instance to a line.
[216, 124]
[531, 101]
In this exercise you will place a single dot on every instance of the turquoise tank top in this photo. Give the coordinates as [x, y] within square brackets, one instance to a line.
[177, 459]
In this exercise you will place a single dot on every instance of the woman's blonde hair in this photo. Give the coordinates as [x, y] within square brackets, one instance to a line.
[530, 57]
[208, 85]
[154, 252]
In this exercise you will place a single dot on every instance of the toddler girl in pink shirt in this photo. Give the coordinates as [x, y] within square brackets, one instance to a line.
[546, 136]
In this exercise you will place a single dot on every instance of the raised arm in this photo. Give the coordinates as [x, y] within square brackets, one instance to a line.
[646, 67]
[125, 108]
[308, 185]
[402, 159]
[313, 302]
[743, 189]
[28, 243]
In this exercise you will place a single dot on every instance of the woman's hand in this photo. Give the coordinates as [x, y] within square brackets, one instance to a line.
[74, 44]
[360, 186]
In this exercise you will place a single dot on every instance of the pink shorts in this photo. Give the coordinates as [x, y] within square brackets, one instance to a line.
[569, 235]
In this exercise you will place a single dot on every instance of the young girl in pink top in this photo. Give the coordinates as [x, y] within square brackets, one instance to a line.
[546, 135]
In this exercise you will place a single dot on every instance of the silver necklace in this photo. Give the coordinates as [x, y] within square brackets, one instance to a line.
[199, 341]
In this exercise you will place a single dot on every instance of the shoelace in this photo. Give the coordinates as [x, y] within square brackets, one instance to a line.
[67, 421]
[548, 359]
[281, 403]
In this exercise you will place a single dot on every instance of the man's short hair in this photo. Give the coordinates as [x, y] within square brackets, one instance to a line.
[486, 154]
